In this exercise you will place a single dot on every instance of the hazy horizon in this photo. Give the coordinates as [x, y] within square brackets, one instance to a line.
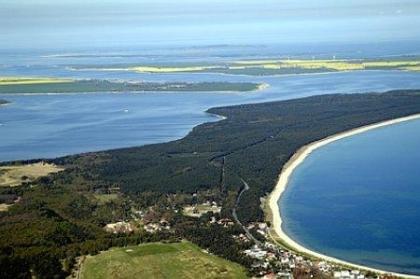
[42, 24]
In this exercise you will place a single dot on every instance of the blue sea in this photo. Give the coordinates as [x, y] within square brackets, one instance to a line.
[358, 199]
[48, 126]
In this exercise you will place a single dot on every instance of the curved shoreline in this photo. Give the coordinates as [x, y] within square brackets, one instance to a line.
[287, 171]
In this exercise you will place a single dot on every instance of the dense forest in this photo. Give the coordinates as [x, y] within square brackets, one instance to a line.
[56, 218]
[252, 143]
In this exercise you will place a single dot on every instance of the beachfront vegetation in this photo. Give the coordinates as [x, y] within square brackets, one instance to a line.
[275, 66]
[91, 86]
[52, 220]
[158, 260]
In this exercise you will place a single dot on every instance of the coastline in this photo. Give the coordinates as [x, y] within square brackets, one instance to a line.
[287, 171]
[3, 103]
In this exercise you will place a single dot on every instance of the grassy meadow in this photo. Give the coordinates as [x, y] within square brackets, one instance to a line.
[158, 260]
[16, 175]
[105, 198]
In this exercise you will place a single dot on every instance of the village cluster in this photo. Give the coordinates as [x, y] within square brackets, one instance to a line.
[269, 260]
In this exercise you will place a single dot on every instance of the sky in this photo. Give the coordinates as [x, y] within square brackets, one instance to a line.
[125, 23]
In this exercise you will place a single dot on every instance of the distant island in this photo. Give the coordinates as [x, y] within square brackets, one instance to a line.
[271, 66]
[24, 85]
[208, 188]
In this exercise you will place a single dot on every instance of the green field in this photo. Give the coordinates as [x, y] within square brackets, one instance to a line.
[105, 198]
[158, 260]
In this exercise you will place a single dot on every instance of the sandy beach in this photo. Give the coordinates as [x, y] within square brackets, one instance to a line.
[287, 171]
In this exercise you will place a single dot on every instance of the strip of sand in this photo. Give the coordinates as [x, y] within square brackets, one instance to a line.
[287, 171]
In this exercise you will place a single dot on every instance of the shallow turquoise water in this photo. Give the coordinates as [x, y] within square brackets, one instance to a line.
[358, 199]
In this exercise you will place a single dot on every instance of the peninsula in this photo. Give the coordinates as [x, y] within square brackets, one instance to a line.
[136, 195]
[25, 85]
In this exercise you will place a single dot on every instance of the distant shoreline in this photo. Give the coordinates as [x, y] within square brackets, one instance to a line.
[265, 66]
[288, 170]
[13, 86]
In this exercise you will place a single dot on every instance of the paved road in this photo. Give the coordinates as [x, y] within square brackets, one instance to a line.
[235, 216]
